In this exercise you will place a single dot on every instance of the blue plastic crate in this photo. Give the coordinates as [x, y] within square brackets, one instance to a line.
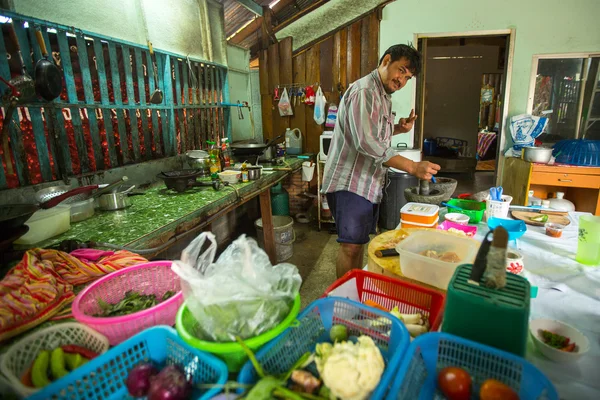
[416, 377]
[104, 376]
[315, 321]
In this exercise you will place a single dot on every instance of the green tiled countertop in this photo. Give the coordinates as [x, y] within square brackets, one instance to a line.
[158, 214]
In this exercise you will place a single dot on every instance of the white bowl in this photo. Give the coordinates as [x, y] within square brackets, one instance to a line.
[458, 218]
[560, 328]
[230, 176]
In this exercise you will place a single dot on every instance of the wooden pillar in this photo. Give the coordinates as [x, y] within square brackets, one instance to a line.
[267, 221]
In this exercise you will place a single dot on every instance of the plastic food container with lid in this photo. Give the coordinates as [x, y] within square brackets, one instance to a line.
[405, 224]
[45, 224]
[419, 213]
[429, 270]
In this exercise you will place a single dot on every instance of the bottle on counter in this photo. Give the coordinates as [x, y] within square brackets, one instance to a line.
[244, 172]
[532, 200]
[214, 152]
[226, 152]
[214, 167]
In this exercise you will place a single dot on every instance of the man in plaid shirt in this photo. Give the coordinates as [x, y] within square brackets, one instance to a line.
[361, 151]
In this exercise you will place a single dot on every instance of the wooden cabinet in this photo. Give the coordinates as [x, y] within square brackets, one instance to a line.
[581, 185]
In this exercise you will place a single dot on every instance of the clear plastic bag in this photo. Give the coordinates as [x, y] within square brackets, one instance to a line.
[320, 101]
[241, 294]
[285, 106]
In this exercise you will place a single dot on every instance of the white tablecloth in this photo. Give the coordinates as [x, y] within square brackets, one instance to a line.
[568, 292]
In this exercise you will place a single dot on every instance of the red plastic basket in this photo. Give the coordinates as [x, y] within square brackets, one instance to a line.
[390, 292]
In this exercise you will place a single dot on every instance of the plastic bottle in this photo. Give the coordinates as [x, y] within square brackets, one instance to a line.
[244, 172]
[214, 152]
[293, 141]
[226, 153]
[214, 167]
[533, 201]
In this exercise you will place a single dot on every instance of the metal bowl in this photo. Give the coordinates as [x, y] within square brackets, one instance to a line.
[198, 159]
[541, 155]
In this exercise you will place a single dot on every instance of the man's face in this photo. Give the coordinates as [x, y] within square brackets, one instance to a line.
[394, 75]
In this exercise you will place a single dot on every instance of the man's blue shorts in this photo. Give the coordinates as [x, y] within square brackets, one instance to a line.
[355, 217]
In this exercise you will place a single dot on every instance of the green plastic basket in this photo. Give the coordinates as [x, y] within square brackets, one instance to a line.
[230, 352]
[471, 208]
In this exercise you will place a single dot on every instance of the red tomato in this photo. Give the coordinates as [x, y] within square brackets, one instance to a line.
[496, 390]
[455, 383]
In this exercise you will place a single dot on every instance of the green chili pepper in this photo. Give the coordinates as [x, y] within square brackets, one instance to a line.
[57, 363]
[39, 371]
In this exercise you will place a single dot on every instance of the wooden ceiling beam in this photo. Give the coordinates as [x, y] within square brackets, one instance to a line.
[251, 6]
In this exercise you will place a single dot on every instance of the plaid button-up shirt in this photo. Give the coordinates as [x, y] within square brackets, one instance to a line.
[361, 140]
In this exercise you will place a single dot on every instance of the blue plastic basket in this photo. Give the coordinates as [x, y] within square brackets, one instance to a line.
[429, 353]
[315, 321]
[104, 376]
[578, 152]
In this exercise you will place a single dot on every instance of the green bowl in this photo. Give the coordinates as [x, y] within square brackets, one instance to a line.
[471, 208]
[230, 352]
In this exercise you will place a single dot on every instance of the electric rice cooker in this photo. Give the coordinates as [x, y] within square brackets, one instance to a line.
[403, 150]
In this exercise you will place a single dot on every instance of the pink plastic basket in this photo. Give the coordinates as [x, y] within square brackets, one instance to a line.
[150, 278]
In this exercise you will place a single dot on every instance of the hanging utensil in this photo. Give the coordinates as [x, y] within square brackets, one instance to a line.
[23, 83]
[157, 95]
[48, 78]
[239, 107]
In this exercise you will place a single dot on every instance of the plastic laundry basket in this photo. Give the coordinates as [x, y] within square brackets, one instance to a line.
[416, 376]
[314, 323]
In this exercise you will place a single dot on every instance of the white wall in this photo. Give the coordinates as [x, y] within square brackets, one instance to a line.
[542, 26]
[187, 27]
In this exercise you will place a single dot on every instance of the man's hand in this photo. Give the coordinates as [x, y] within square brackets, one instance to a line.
[424, 170]
[406, 124]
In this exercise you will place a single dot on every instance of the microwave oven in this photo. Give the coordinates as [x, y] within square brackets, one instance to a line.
[325, 144]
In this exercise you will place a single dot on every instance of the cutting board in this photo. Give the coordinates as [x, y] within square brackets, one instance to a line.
[525, 216]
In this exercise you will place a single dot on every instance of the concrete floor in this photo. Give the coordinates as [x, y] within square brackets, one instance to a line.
[315, 252]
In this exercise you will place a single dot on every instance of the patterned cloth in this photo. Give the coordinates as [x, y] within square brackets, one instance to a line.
[41, 284]
[361, 140]
[484, 141]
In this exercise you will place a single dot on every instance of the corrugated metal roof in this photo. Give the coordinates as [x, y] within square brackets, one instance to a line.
[237, 16]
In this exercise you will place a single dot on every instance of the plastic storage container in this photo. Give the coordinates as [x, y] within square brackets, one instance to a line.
[404, 224]
[149, 278]
[474, 209]
[422, 214]
[314, 324]
[389, 292]
[20, 356]
[104, 376]
[495, 317]
[231, 352]
[393, 198]
[416, 377]
[45, 224]
[426, 269]
[293, 141]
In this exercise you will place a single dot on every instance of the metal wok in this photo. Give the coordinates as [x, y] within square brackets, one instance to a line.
[252, 149]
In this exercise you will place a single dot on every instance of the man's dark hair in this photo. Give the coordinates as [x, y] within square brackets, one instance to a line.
[399, 51]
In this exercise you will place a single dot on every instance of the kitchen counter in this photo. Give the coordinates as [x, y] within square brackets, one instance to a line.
[160, 214]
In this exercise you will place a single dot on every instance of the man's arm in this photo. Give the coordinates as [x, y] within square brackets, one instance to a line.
[422, 170]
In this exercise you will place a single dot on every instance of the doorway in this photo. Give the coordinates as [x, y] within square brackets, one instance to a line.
[461, 99]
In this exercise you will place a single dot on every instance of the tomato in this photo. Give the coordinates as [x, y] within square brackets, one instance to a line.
[455, 383]
[496, 390]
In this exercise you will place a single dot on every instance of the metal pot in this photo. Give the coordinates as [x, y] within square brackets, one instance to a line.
[198, 159]
[114, 201]
[541, 155]
[254, 173]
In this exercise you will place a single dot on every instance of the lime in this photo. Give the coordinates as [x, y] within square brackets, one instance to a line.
[338, 333]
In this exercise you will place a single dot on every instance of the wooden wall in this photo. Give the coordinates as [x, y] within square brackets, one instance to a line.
[334, 62]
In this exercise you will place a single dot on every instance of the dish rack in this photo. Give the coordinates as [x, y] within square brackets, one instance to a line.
[148, 278]
[389, 292]
[104, 376]
[313, 327]
[21, 355]
[416, 377]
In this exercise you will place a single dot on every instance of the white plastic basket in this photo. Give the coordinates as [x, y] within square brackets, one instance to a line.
[21, 355]
[498, 209]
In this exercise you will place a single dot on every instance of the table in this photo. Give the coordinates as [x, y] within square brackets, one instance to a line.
[569, 292]
[161, 217]
[580, 184]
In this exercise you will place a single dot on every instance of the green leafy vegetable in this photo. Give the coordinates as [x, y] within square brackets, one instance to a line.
[554, 340]
[131, 303]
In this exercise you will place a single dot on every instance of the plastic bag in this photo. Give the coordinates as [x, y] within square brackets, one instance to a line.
[331, 116]
[241, 294]
[285, 107]
[320, 101]
[524, 129]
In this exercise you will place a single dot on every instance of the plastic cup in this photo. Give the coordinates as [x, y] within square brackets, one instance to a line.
[588, 244]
